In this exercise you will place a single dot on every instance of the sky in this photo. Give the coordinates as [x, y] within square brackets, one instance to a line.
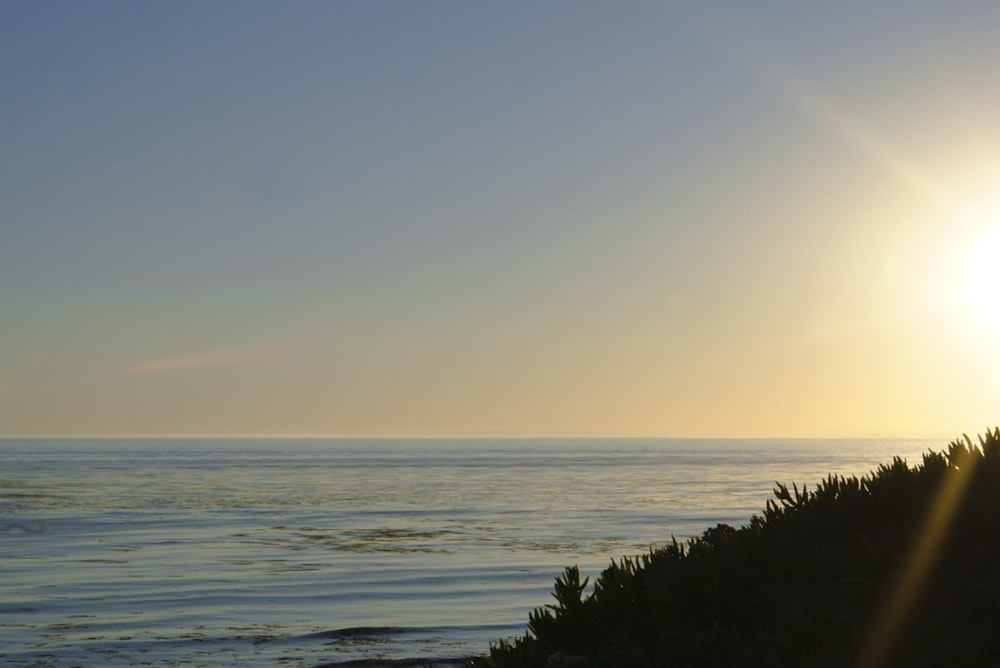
[455, 218]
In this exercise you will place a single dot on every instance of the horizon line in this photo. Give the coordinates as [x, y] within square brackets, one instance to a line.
[455, 435]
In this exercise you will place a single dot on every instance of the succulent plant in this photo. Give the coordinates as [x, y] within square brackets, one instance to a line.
[898, 567]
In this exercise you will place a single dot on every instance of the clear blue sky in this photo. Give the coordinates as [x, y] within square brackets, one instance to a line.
[454, 217]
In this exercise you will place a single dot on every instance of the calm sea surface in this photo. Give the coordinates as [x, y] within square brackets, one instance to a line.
[268, 552]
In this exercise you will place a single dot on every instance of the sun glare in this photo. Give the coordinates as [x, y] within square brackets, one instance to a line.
[981, 284]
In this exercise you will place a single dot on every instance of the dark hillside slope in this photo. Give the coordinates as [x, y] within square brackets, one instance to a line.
[899, 567]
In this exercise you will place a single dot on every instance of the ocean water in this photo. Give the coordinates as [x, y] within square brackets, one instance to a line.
[307, 552]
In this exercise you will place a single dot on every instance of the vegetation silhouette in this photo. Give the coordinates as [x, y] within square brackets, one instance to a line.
[900, 567]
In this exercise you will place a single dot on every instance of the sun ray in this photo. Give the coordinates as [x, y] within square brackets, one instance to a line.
[899, 607]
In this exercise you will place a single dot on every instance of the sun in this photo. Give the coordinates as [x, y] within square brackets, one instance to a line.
[970, 242]
[981, 284]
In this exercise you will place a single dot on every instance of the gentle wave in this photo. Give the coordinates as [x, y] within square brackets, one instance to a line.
[305, 553]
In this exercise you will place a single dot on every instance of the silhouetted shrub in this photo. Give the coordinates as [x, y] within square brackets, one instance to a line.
[899, 567]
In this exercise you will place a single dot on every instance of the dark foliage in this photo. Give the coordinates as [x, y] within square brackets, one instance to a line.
[899, 567]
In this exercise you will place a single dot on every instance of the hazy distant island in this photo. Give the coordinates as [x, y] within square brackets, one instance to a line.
[897, 568]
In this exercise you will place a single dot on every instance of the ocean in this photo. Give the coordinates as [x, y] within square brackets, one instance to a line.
[309, 552]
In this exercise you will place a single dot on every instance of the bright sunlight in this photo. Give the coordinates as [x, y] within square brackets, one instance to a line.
[981, 284]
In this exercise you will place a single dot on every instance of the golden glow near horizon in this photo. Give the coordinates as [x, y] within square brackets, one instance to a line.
[665, 221]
